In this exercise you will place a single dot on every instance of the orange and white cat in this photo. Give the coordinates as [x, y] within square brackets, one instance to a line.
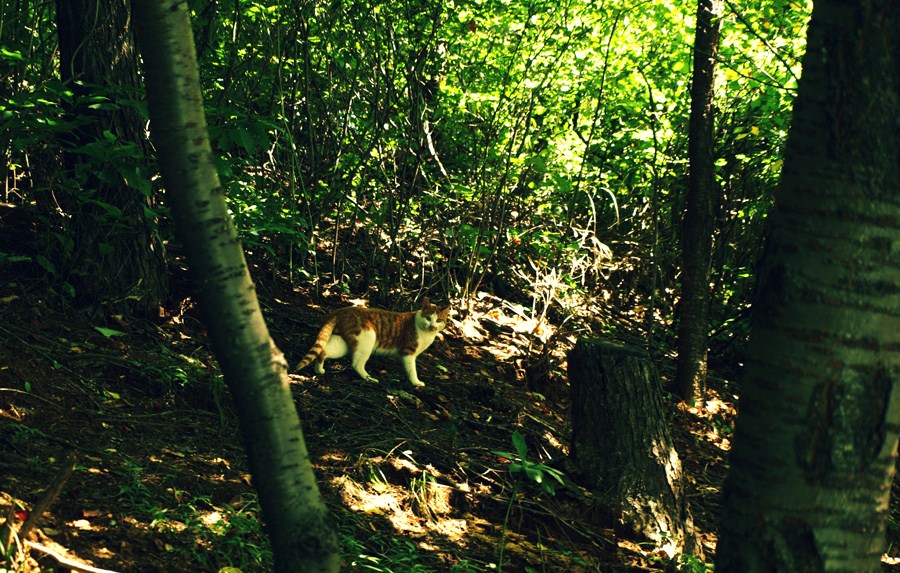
[361, 332]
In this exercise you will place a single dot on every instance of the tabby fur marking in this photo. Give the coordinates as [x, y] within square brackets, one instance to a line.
[361, 332]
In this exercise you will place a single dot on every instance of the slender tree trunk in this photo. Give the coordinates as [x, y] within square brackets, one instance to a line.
[696, 234]
[254, 369]
[114, 258]
[816, 439]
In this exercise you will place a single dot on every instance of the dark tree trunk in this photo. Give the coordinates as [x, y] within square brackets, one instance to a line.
[295, 514]
[696, 234]
[816, 438]
[114, 258]
[621, 443]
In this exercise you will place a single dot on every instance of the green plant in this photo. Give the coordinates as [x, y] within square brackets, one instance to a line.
[214, 535]
[227, 534]
[531, 471]
[419, 486]
[22, 434]
[683, 563]
[135, 496]
[692, 564]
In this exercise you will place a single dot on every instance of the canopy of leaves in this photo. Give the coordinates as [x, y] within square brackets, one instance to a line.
[530, 148]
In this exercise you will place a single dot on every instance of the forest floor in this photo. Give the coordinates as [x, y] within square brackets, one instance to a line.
[413, 479]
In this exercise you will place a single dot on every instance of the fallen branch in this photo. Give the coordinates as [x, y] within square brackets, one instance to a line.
[48, 497]
[65, 561]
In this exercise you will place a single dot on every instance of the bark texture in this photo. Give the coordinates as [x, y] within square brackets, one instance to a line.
[697, 230]
[114, 258]
[255, 370]
[816, 440]
[621, 443]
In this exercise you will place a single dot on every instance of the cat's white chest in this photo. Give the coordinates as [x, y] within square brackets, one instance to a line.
[425, 338]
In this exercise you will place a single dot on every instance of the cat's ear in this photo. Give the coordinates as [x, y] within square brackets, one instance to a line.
[444, 311]
[425, 303]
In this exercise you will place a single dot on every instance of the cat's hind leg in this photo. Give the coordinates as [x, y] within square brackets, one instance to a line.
[320, 363]
[336, 347]
[365, 345]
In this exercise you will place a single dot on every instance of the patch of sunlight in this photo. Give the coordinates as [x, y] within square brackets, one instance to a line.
[334, 456]
[718, 440]
[14, 413]
[672, 461]
[713, 420]
[415, 512]
[453, 529]
[103, 553]
[82, 524]
[503, 324]
[211, 518]
[551, 439]
[470, 328]
[717, 406]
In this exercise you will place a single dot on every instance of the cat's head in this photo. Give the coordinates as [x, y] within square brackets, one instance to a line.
[431, 317]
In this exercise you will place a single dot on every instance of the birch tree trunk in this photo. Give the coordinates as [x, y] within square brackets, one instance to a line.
[699, 219]
[816, 439]
[254, 369]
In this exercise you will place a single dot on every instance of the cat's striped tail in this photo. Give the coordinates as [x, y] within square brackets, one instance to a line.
[318, 346]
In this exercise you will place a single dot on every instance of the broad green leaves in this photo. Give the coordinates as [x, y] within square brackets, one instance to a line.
[537, 473]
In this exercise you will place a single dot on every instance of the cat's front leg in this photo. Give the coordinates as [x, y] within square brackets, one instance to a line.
[362, 350]
[409, 363]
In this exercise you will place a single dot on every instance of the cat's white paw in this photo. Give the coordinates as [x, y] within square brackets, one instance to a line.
[372, 380]
[418, 383]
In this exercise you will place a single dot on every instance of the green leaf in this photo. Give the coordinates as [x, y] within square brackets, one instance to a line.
[245, 139]
[7, 258]
[108, 332]
[556, 474]
[534, 474]
[7, 54]
[136, 178]
[46, 264]
[519, 442]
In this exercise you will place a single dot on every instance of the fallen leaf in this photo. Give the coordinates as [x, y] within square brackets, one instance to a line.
[108, 332]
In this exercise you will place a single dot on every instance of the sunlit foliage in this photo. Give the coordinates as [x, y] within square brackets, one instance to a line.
[466, 145]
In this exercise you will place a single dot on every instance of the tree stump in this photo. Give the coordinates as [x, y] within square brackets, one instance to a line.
[621, 444]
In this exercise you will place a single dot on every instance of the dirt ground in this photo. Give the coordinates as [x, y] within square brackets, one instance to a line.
[414, 479]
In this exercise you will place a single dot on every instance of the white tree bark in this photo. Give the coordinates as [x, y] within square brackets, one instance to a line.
[816, 439]
[254, 369]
